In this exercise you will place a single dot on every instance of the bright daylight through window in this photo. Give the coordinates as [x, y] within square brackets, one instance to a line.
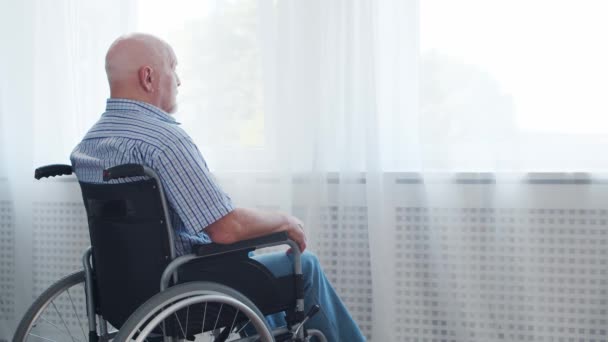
[522, 80]
[218, 50]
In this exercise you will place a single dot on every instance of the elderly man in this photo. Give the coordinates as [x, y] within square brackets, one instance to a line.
[137, 128]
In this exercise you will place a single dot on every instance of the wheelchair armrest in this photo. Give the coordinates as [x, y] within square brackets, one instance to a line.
[246, 245]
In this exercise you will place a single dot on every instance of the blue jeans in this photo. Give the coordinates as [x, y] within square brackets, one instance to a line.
[333, 319]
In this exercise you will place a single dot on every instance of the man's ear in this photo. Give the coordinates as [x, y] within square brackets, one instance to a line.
[146, 78]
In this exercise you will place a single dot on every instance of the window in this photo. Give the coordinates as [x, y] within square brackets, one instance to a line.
[221, 99]
[514, 84]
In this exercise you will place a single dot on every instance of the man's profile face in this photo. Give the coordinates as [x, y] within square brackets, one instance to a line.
[169, 81]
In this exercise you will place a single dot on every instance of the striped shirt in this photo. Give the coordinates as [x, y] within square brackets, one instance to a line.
[139, 133]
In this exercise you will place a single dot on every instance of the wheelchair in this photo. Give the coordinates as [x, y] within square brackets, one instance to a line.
[132, 279]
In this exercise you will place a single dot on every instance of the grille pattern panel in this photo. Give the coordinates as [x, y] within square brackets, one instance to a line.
[461, 274]
[343, 249]
[60, 236]
[7, 261]
[504, 274]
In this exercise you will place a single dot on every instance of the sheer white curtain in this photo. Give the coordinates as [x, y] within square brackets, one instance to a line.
[359, 117]
[52, 89]
[282, 98]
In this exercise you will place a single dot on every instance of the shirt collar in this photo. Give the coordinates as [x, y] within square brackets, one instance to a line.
[117, 104]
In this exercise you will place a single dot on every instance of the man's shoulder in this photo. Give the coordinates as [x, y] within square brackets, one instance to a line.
[133, 127]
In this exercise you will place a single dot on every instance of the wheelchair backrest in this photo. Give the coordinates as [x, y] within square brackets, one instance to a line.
[128, 231]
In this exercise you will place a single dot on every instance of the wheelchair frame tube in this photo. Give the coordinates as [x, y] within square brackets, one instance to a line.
[297, 270]
[88, 281]
[172, 268]
[150, 173]
[318, 334]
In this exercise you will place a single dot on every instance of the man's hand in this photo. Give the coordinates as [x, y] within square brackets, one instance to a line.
[295, 231]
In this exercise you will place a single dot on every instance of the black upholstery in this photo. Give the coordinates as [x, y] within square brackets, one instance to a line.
[248, 276]
[130, 246]
[270, 294]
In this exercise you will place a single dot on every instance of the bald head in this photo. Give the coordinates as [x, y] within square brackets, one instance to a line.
[142, 67]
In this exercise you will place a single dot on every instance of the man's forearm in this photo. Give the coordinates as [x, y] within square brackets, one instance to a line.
[254, 222]
[246, 223]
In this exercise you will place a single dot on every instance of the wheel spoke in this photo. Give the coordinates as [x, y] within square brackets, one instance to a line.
[40, 337]
[62, 320]
[243, 327]
[180, 324]
[204, 316]
[55, 325]
[234, 320]
[162, 328]
[187, 314]
[218, 316]
[76, 314]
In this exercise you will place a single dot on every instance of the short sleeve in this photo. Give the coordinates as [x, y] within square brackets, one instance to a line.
[189, 187]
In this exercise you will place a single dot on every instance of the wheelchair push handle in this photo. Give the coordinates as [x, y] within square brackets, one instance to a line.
[52, 171]
[123, 171]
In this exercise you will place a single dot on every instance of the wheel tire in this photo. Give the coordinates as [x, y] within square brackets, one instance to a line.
[165, 303]
[42, 302]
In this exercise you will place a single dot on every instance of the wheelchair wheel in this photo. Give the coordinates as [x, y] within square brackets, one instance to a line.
[58, 314]
[197, 311]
